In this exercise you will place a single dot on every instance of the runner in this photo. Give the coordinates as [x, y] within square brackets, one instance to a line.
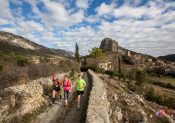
[80, 89]
[67, 87]
[56, 88]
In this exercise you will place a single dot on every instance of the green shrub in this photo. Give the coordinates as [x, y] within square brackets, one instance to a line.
[141, 77]
[12, 54]
[1, 67]
[21, 60]
[162, 84]
[1, 55]
[109, 72]
[96, 69]
[151, 95]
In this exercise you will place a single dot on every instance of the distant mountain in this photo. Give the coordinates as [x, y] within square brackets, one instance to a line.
[170, 57]
[10, 42]
[64, 52]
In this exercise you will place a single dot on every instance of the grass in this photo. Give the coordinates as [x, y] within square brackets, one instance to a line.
[163, 79]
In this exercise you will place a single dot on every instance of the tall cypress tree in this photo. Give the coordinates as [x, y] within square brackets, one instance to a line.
[77, 55]
[119, 67]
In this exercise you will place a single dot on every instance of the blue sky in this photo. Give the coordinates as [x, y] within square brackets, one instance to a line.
[146, 26]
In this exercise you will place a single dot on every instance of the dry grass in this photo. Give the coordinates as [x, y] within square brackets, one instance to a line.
[12, 74]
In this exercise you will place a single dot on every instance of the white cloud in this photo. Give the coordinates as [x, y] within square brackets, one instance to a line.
[82, 4]
[5, 11]
[154, 36]
[104, 9]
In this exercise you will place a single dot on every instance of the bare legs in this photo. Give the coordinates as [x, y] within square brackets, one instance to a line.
[78, 98]
[53, 96]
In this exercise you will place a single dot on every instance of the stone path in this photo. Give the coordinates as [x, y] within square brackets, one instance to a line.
[72, 115]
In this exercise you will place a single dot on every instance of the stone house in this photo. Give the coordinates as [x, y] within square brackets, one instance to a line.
[105, 65]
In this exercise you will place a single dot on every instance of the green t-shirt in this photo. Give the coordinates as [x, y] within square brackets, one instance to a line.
[80, 83]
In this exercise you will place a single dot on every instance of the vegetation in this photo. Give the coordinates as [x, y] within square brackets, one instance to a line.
[151, 95]
[119, 67]
[163, 84]
[21, 60]
[141, 77]
[96, 69]
[85, 61]
[112, 74]
[17, 69]
[170, 57]
[128, 60]
[77, 55]
[97, 53]
[163, 79]
[1, 67]
[159, 98]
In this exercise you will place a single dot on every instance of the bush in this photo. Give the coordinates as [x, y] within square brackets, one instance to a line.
[96, 69]
[1, 67]
[111, 73]
[153, 96]
[156, 97]
[162, 84]
[141, 77]
[21, 60]
[128, 60]
[12, 54]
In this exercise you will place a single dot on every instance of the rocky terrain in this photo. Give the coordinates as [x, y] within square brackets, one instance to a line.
[129, 107]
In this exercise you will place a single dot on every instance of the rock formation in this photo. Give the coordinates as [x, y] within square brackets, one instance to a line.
[109, 44]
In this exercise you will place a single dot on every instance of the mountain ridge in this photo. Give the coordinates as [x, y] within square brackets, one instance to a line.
[11, 42]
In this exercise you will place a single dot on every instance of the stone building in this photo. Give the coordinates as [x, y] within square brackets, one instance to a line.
[105, 65]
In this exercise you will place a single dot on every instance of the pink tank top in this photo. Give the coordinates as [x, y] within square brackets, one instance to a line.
[67, 85]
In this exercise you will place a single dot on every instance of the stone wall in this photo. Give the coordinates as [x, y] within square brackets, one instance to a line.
[16, 101]
[98, 106]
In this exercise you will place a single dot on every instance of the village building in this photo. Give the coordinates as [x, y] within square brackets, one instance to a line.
[105, 65]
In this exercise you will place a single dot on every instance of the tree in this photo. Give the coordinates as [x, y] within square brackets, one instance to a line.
[97, 53]
[77, 55]
[141, 77]
[114, 62]
[119, 67]
[85, 61]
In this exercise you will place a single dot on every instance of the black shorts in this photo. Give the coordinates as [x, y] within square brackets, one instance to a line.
[80, 92]
[56, 88]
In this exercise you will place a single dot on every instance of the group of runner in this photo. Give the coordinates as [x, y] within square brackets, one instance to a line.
[67, 86]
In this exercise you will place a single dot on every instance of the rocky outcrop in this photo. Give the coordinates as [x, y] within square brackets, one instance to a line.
[98, 107]
[16, 101]
[109, 44]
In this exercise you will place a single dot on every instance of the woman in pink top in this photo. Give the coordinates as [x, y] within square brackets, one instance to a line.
[67, 87]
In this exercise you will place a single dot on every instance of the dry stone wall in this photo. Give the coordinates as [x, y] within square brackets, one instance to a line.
[16, 101]
[98, 106]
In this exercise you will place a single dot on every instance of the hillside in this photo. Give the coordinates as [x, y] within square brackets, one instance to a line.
[170, 57]
[18, 44]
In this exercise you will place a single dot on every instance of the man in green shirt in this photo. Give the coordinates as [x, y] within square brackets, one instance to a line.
[80, 88]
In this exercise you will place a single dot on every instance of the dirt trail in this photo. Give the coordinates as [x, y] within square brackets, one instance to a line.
[72, 114]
